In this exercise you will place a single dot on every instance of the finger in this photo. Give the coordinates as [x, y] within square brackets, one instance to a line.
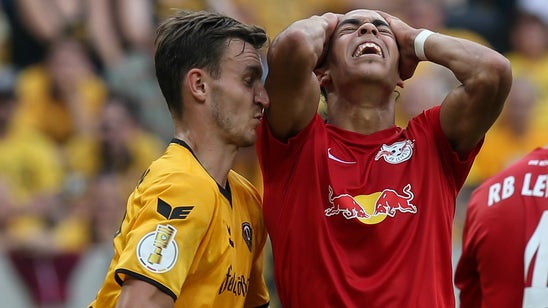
[386, 16]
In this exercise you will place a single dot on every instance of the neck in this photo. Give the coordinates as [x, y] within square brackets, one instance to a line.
[365, 115]
[216, 157]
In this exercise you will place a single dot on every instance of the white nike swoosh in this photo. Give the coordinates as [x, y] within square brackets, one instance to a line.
[330, 156]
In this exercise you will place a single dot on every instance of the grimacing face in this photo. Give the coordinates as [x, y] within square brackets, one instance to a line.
[363, 47]
[238, 97]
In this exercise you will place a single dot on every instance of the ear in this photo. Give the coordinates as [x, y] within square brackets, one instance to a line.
[323, 76]
[196, 82]
[400, 83]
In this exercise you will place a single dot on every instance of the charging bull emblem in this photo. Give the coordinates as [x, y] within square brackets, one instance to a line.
[390, 201]
[346, 205]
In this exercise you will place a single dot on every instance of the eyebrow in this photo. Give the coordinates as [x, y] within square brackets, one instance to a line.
[357, 22]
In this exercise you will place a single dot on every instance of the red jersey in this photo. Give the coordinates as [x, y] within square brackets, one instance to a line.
[362, 220]
[504, 261]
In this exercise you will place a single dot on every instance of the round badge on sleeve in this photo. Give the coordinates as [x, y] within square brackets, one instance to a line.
[157, 251]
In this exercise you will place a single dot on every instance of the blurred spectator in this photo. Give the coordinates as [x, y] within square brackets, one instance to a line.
[539, 7]
[121, 33]
[105, 199]
[431, 82]
[488, 18]
[118, 28]
[61, 96]
[512, 136]
[30, 174]
[5, 59]
[524, 121]
[103, 168]
[115, 36]
[42, 238]
[163, 8]
[35, 25]
[393, 7]
[529, 58]
[274, 16]
[120, 146]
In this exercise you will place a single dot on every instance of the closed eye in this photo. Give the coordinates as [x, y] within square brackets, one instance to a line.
[253, 74]
[385, 30]
[347, 30]
[382, 26]
[248, 82]
[347, 26]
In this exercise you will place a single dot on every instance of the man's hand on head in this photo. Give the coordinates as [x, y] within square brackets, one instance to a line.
[405, 36]
[332, 20]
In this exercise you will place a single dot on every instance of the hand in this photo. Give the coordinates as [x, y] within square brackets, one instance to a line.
[405, 37]
[331, 21]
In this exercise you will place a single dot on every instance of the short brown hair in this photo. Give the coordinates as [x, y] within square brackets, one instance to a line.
[195, 39]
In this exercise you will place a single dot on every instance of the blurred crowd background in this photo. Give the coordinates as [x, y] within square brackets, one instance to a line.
[81, 117]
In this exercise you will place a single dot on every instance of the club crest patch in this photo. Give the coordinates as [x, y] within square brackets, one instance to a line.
[157, 251]
[397, 152]
[247, 233]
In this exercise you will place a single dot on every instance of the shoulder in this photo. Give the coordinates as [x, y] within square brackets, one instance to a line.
[242, 186]
[429, 117]
[177, 176]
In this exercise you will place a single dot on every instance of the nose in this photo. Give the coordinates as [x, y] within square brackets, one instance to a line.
[261, 97]
[368, 28]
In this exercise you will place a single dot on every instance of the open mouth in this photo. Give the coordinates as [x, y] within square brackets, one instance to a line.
[368, 48]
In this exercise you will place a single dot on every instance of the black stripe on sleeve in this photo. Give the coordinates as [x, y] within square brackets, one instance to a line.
[143, 278]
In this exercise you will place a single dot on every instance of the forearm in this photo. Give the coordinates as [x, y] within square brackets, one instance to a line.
[103, 37]
[292, 85]
[485, 76]
[477, 67]
[469, 110]
[41, 19]
[305, 42]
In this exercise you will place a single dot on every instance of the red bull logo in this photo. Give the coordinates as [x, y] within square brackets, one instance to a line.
[346, 205]
[389, 202]
[374, 208]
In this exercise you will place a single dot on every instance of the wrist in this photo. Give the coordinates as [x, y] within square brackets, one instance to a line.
[420, 39]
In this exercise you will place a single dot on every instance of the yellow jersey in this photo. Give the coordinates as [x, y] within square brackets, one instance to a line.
[196, 241]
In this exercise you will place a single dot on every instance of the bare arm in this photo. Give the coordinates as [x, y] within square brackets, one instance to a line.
[291, 83]
[42, 20]
[137, 293]
[469, 110]
[136, 27]
[137, 22]
[102, 32]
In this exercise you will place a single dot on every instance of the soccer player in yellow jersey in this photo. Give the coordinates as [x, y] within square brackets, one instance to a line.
[193, 234]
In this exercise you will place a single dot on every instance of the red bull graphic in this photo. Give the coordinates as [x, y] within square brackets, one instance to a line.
[390, 201]
[346, 205]
[373, 208]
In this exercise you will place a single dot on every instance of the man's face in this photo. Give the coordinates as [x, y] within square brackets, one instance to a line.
[363, 47]
[238, 97]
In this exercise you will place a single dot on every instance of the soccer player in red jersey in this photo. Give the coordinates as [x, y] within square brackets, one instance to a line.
[504, 262]
[360, 211]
